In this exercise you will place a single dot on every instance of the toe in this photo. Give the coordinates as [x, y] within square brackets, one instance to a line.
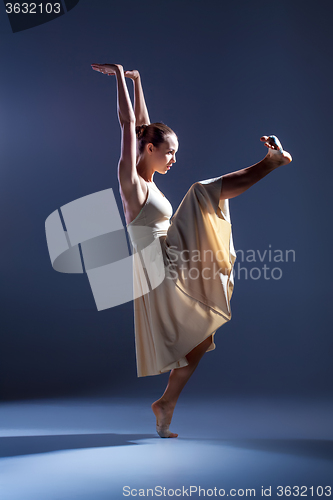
[272, 142]
[172, 435]
[276, 143]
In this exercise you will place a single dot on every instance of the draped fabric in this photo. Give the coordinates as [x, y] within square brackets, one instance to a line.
[182, 274]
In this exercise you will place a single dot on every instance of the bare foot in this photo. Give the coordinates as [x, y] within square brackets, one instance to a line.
[275, 150]
[163, 414]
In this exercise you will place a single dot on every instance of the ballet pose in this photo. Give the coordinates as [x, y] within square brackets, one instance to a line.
[175, 322]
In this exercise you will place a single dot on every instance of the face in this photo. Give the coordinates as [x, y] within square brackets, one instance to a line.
[165, 155]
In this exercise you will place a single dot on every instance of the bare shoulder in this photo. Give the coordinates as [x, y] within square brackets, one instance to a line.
[133, 194]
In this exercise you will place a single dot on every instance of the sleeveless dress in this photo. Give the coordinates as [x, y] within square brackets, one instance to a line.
[182, 274]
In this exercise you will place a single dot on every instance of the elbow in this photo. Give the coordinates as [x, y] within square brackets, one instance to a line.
[128, 127]
[128, 118]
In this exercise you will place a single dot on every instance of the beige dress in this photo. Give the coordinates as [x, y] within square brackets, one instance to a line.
[182, 274]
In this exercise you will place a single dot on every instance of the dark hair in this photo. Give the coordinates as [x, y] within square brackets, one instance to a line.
[154, 133]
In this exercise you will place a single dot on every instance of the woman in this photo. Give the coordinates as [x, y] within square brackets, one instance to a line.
[176, 317]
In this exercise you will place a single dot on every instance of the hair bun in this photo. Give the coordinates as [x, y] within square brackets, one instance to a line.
[140, 130]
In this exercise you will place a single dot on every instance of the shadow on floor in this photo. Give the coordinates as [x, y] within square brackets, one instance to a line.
[311, 448]
[29, 445]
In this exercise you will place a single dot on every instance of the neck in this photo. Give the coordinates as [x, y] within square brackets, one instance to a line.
[145, 171]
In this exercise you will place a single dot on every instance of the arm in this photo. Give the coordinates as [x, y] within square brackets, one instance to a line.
[127, 173]
[140, 108]
[236, 183]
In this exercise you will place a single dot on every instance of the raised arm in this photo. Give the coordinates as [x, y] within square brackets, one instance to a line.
[140, 108]
[127, 173]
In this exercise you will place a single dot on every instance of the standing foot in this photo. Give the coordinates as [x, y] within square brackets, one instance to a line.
[276, 154]
[163, 413]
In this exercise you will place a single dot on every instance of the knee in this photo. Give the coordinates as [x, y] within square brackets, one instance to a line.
[196, 354]
[196, 186]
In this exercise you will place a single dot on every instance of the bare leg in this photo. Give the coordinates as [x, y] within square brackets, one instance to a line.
[163, 408]
[236, 183]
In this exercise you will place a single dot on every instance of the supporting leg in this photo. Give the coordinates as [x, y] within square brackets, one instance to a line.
[164, 407]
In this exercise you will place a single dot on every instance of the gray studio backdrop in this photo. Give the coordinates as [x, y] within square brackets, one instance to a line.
[221, 74]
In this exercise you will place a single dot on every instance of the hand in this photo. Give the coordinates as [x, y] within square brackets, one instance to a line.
[133, 74]
[107, 69]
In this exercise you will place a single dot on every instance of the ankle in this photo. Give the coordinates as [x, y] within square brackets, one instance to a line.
[270, 163]
[164, 402]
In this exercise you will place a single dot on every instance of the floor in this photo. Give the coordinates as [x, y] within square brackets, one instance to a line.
[106, 448]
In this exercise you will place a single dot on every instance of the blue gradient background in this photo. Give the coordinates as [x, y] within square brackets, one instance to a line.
[221, 74]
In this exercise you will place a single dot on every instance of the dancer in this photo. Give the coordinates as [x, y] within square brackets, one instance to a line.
[176, 318]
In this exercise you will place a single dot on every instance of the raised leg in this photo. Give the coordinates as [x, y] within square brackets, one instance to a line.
[164, 407]
[236, 183]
